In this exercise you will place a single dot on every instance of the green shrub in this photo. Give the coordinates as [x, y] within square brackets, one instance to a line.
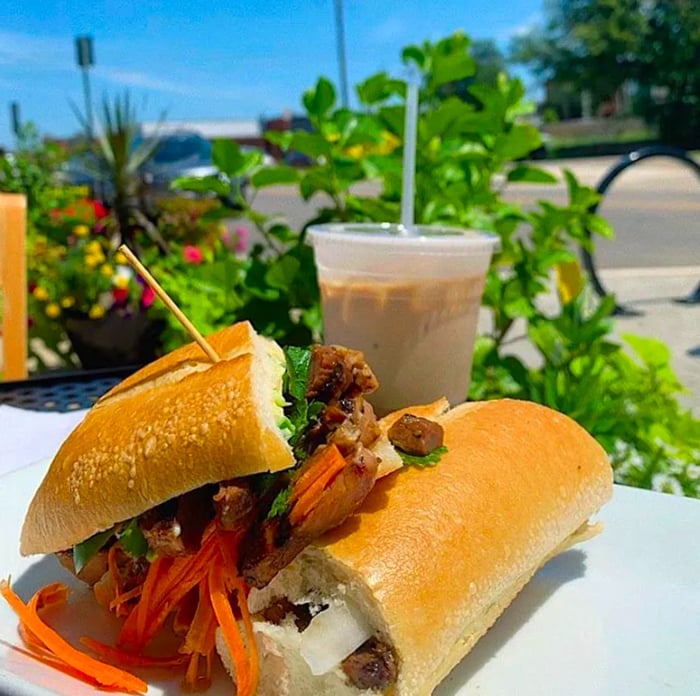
[472, 143]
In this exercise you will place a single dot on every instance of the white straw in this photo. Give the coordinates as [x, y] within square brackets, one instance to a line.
[409, 155]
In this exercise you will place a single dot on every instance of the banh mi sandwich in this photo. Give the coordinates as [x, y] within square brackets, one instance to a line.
[392, 600]
[191, 482]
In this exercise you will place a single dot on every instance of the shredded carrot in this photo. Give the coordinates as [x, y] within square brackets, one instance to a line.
[103, 674]
[117, 604]
[239, 588]
[327, 464]
[199, 588]
[114, 570]
[117, 656]
[245, 679]
[201, 635]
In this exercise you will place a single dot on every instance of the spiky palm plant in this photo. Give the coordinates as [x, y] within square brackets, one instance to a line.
[117, 159]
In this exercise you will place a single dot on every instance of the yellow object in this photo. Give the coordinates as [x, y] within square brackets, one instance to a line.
[569, 280]
[107, 271]
[40, 293]
[96, 312]
[81, 230]
[121, 282]
[53, 311]
[13, 284]
[92, 260]
[120, 259]
[67, 302]
[93, 247]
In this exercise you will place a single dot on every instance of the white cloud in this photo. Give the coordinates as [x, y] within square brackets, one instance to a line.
[196, 86]
[36, 51]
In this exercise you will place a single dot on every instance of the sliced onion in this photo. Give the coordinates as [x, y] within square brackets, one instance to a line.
[332, 635]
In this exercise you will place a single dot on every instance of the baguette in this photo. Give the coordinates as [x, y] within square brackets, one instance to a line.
[175, 425]
[435, 555]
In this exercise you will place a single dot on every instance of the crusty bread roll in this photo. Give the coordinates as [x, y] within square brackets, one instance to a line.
[435, 555]
[175, 425]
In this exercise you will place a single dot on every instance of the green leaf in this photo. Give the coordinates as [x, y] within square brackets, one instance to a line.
[271, 176]
[84, 551]
[319, 100]
[297, 375]
[413, 54]
[282, 272]
[450, 68]
[204, 184]
[652, 352]
[378, 88]
[280, 503]
[311, 144]
[133, 541]
[227, 156]
[430, 459]
[526, 173]
[600, 226]
[520, 141]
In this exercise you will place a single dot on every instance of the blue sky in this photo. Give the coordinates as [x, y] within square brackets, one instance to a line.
[211, 59]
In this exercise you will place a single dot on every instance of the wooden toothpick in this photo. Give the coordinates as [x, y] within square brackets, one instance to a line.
[179, 314]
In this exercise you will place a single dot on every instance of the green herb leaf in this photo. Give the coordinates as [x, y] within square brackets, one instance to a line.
[83, 552]
[430, 459]
[297, 375]
[133, 541]
[280, 503]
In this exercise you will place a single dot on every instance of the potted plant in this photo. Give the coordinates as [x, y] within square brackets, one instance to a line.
[85, 286]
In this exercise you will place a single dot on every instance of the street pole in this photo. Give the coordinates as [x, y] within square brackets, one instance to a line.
[15, 118]
[86, 59]
[342, 63]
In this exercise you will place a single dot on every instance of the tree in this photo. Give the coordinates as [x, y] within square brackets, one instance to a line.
[669, 71]
[599, 45]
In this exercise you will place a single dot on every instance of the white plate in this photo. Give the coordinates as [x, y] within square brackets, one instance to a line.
[618, 617]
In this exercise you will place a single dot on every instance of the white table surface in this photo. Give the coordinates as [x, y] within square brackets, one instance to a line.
[619, 616]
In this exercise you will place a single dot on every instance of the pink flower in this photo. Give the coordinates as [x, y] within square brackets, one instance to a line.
[192, 254]
[242, 234]
[147, 297]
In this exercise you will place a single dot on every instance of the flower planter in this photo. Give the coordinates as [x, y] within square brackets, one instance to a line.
[115, 340]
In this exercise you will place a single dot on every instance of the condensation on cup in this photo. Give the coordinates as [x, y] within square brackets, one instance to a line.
[409, 299]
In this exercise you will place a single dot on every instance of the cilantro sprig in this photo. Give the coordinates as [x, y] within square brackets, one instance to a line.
[301, 412]
[430, 459]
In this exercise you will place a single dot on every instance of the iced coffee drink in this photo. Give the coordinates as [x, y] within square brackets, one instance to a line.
[409, 302]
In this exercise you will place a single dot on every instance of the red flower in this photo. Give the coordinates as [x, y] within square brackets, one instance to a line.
[147, 297]
[192, 254]
[120, 295]
[100, 210]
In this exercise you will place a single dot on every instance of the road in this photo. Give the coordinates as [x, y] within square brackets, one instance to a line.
[653, 206]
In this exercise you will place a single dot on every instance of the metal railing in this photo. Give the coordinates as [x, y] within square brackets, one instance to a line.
[622, 164]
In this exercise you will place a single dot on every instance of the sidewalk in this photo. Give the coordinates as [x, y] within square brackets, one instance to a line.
[652, 292]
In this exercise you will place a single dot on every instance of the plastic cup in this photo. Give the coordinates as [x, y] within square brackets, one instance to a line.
[408, 299]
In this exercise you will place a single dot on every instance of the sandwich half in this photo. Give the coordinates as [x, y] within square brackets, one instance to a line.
[192, 481]
[392, 600]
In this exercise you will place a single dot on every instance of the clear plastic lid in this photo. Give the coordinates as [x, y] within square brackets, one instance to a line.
[392, 250]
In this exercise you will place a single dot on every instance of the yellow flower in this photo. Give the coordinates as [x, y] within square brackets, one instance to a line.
[107, 271]
[67, 302]
[52, 310]
[93, 247]
[121, 282]
[92, 261]
[40, 293]
[569, 280]
[120, 259]
[81, 230]
[96, 311]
